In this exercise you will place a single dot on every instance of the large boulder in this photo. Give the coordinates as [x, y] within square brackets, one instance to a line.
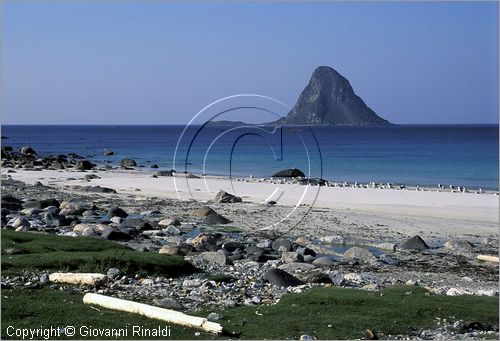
[281, 278]
[112, 234]
[289, 173]
[117, 212]
[215, 219]
[360, 254]
[415, 243]
[84, 165]
[27, 150]
[225, 197]
[135, 223]
[216, 257]
[128, 163]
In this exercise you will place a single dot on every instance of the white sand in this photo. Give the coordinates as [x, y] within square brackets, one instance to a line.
[477, 208]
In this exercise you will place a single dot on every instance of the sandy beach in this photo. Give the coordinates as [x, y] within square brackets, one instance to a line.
[276, 236]
[438, 214]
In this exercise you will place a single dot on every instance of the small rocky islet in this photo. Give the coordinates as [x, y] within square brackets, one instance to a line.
[239, 263]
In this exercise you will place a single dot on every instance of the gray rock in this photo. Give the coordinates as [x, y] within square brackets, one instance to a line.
[113, 274]
[117, 212]
[305, 251]
[116, 219]
[281, 278]
[128, 163]
[326, 261]
[232, 246]
[291, 257]
[27, 150]
[203, 211]
[44, 278]
[164, 173]
[169, 221]
[415, 243]
[172, 230]
[297, 267]
[458, 245]
[214, 317]
[309, 258]
[224, 197]
[337, 279]
[112, 234]
[215, 219]
[254, 250]
[84, 165]
[216, 258]
[135, 223]
[289, 173]
[286, 243]
[168, 303]
[360, 254]
[265, 243]
[108, 152]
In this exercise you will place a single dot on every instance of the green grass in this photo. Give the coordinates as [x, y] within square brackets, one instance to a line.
[35, 308]
[349, 311]
[396, 310]
[85, 254]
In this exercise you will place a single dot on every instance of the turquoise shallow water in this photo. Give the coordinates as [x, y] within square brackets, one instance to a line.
[461, 155]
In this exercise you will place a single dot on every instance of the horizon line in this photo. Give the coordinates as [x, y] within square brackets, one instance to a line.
[266, 123]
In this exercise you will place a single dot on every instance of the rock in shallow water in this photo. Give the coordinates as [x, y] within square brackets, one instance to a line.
[128, 163]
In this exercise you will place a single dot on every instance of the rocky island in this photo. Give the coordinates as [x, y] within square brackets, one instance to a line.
[329, 99]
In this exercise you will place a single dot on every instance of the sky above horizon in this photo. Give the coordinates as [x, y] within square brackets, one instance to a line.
[161, 62]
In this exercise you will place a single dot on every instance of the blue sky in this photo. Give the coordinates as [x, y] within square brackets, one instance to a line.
[161, 62]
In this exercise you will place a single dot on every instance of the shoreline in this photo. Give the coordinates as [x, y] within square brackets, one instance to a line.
[425, 203]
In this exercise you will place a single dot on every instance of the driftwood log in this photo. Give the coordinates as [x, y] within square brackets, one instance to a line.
[77, 278]
[488, 258]
[153, 312]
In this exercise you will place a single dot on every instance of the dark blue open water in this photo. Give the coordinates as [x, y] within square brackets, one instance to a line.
[423, 155]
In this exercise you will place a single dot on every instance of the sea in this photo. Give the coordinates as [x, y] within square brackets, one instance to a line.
[413, 155]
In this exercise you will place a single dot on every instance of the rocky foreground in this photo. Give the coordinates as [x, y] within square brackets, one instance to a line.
[248, 266]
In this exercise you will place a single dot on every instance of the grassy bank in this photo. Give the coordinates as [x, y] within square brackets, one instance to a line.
[328, 313]
[325, 313]
[85, 254]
